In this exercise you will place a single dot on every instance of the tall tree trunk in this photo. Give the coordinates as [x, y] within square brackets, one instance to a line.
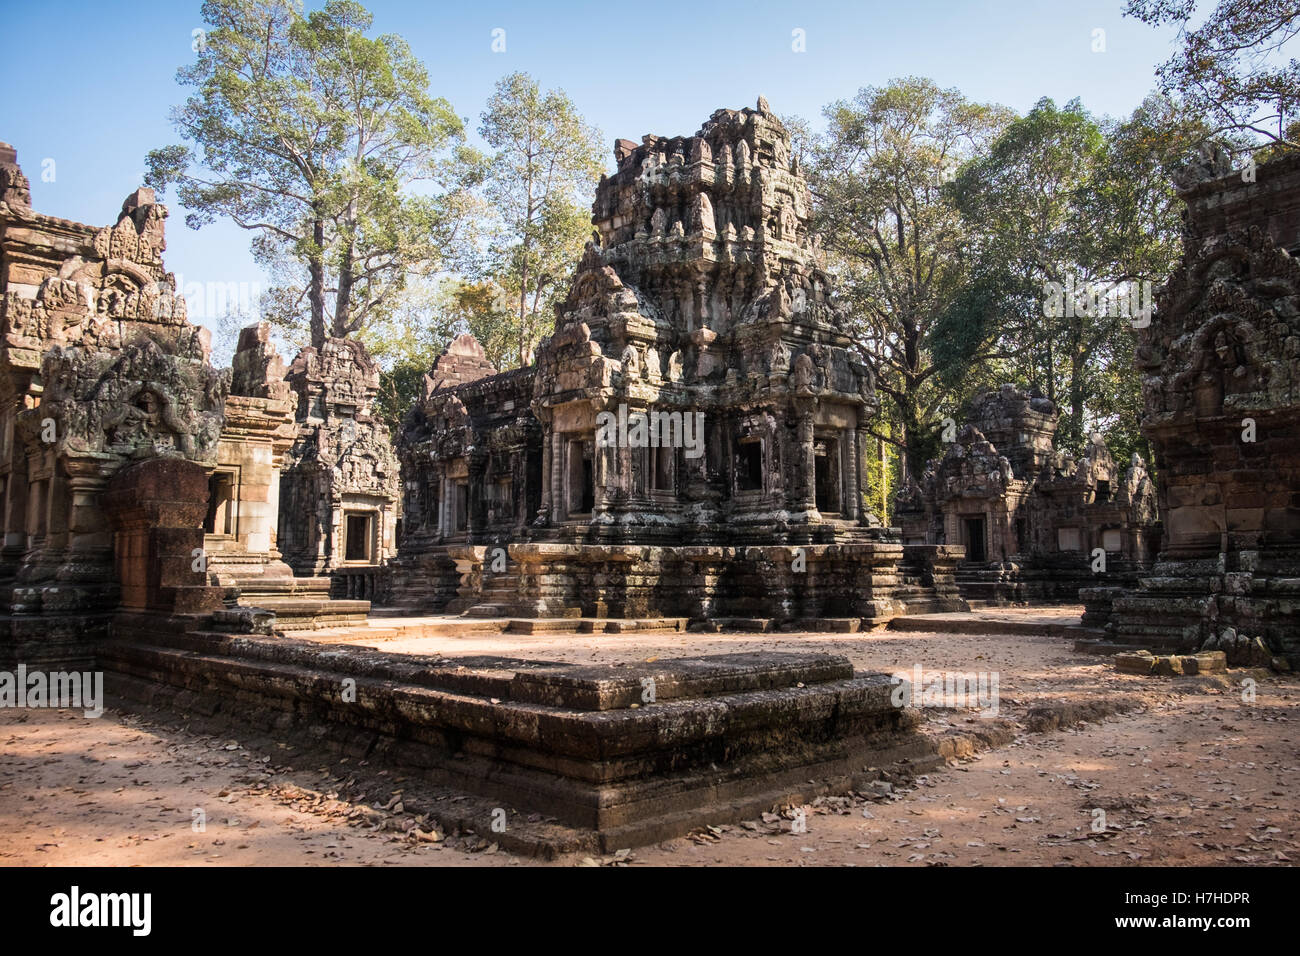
[343, 299]
[316, 292]
[523, 302]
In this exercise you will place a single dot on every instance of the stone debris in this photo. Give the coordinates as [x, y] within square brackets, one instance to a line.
[1171, 665]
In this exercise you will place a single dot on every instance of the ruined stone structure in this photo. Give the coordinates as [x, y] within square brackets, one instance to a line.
[1221, 387]
[244, 491]
[695, 437]
[1031, 517]
[139, 490]
[339, 490]
[98, 368]
[471, 460]
[243, 513]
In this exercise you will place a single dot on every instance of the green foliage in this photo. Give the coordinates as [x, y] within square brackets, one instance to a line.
[1062, 197]
[325, 143]
[1233, 68]
[539, 183]
[896, 238]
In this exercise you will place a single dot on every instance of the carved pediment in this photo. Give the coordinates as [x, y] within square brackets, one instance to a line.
[1226, 339]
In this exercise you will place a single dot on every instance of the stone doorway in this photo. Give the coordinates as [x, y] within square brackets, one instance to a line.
[973, 535]
[826, 461]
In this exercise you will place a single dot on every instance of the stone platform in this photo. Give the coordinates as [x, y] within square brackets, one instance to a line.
[633, 753]
[850, 585]
[1055, 620]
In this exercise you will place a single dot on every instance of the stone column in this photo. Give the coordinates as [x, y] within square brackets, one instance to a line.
[439, 487]
[862, 448]
[808, 462]
[546, 476]
[607, 476]
[156, 509]
[849, 457]
[559, 506]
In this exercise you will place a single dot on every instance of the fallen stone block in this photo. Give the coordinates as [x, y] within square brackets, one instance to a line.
[1206, 662]
[1138, 662]
[1168, 665]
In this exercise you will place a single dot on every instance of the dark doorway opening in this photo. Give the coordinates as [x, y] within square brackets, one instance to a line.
[588, 486]
[221, 504]
[358, 533]
[533, 482]
[826, 488]
[749, 472]
[462, 506]
[975, 550]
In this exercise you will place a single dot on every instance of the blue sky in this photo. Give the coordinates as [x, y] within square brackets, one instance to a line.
[91, 83]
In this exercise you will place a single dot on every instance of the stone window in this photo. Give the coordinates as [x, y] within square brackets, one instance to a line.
[221, 503]
[1112, 539]
[749, 464]
[1103, 492]
[358, 535]
[1069, 539]
[661, 469]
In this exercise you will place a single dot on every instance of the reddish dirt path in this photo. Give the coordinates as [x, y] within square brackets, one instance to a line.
[1199, 777]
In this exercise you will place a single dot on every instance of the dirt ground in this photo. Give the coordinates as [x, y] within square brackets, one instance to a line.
[1198, 774]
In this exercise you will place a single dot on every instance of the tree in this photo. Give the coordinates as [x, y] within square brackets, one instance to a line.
[895, 236]
[431, 312]
[1028, 196]
[1087, 204]
[540, 179]
[325, 143]
[1232, 68]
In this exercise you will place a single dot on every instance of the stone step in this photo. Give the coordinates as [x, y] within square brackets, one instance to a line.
[824, 625]
[652, 625]
[946, 623]
[543, 625]
[490, 610]
[747, 625]
[598, 688]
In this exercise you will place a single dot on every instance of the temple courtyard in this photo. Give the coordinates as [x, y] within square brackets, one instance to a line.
[1082, 764]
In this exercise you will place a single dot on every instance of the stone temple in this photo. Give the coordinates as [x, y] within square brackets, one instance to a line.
[1221, 389]
[689, 449]
[691, 441]
[101, 369]
[1036, 523]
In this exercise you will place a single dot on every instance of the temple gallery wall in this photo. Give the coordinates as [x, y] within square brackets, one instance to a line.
[688, 450]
